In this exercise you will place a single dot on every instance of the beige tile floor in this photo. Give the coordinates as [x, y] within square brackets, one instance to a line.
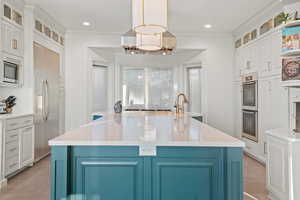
[34, 183]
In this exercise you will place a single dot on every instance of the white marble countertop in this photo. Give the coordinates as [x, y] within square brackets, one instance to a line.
[154, 128]
[13, 115]
[285, 134]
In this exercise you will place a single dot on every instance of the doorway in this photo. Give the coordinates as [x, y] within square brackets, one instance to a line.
[194, 89]
[99, 88]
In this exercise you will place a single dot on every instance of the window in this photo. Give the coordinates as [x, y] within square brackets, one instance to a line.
[148, 88]
[160, 84]
[134, 88]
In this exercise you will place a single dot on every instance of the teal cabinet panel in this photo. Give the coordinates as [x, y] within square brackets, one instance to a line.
[234, 174]
[109, 178]
[119, 173]
[188, 179]
[60, 169]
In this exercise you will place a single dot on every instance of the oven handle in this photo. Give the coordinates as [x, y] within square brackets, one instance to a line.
[249, 111]
[249, 83]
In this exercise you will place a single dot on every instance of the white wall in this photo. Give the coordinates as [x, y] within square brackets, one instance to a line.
[259, 19]
[25, 94]
[217, 62]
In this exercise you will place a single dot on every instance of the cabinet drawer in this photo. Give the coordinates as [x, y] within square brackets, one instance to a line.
[11, 165]
[26, 121]
[12, 124]
[12, 149]
[12, 135]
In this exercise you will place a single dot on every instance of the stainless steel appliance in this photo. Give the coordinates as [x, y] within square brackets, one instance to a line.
[250, 107]
[46, 71]
[250, 128]
[11, 70]
[250, 91]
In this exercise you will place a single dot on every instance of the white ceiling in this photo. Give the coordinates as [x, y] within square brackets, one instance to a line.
[185, 16]
[180, 56]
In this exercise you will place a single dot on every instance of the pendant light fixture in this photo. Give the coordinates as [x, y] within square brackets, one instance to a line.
[149, 16]
[149, 33]
[148, 44]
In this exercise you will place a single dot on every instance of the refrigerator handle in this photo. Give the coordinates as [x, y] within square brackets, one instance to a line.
[47, 100]
[43, 100]
[44, 94]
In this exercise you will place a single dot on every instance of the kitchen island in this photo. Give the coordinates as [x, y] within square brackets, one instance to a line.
[146, 156]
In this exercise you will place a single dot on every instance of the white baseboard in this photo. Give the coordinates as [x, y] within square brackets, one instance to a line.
[255, 157]
[272, 197]
[3, 183]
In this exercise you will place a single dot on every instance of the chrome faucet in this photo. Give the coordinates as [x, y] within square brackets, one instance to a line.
[179, 105]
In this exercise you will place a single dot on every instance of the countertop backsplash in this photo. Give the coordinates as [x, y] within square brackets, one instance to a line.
[24, 98]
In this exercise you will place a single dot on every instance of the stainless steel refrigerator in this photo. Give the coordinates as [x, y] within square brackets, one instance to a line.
[46, 72]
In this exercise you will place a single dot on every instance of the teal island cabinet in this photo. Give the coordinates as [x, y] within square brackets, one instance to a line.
[146, 156]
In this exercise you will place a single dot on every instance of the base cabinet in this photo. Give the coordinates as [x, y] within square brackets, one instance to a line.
[175, 173]
[174, 178]
[27, 148]
[18, 144]
[277, 169]
[283, 165]
[95, 176]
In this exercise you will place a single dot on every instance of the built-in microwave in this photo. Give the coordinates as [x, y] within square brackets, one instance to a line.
[11, 70]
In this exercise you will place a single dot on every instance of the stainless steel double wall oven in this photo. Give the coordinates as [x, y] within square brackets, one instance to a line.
[250, 106]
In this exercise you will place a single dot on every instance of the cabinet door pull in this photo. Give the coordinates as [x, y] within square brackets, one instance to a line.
[269, 65]
[14, 124]
[15, 44]
[265, 148]
[13, 136]
[13, 149]
[28, 129]
[11, 166]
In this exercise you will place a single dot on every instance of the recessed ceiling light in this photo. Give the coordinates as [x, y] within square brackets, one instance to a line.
[86, 23]
[207, 25]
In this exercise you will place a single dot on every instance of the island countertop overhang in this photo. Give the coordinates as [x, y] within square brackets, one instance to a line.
[147, 128]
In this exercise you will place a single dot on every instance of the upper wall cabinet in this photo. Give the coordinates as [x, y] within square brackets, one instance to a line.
[12, 39]
[270, 54]
[262, 55]
[12, 31]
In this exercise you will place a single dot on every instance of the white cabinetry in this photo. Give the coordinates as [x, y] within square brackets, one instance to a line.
[270, 49]
[282, 165]
[12, 38]
[263, 55]
[18, 144]
[238, 64]
[238, 109]
[273, 108]
[26, 145]
[250, 58]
